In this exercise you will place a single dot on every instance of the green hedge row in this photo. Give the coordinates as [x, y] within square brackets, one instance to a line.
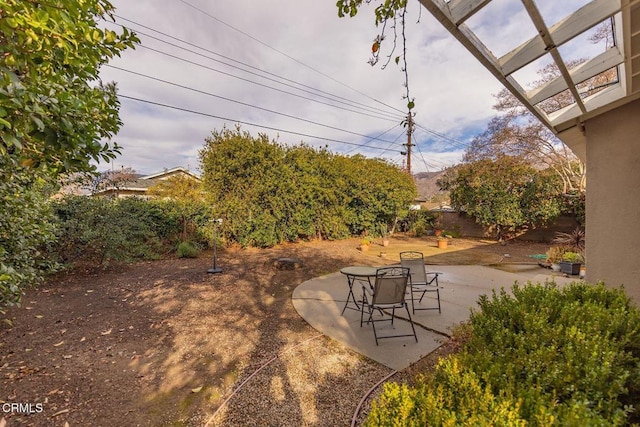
[100, 230]
[540, 356]
[269, 193]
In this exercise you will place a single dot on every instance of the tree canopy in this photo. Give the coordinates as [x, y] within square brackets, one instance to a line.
[54, 110]
[268, 193]
[504, 193]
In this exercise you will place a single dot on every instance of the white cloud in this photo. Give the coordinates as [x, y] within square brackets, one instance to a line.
[453, 92]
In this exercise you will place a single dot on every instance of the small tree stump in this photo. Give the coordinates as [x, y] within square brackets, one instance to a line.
[287, 263]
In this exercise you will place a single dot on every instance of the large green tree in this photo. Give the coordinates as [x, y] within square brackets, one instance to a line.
[505, 193]
[55, 115]
[268, 193]
[54, 110]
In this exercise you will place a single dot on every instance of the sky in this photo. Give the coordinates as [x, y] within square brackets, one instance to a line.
[294, 70]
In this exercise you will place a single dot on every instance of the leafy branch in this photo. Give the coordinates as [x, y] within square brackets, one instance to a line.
[393, 11]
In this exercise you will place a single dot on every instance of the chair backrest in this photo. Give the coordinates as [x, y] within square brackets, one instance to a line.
[414, 261]
[390, 285]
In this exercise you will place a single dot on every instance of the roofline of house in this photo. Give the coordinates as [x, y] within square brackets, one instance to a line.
[176, 169]
[106, 190]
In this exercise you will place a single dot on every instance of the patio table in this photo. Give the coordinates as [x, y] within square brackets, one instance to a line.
[356, 274]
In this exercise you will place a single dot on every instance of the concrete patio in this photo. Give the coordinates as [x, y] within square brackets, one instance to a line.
[320, 301]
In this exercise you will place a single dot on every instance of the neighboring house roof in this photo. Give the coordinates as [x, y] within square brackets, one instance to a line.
[141, 184]
[167, 173]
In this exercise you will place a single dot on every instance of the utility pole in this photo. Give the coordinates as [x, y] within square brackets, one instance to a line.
[409, 144]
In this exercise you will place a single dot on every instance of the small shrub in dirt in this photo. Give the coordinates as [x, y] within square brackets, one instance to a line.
[187, 250]
[542, 356]
[418, 222]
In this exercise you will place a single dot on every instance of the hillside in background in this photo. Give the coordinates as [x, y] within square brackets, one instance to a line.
[426, 183]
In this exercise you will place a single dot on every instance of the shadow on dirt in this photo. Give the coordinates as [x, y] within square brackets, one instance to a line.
[164, 342]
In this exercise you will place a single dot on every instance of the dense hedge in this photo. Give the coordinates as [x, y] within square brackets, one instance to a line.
[268, 193]
[100, 230]
[542, 356]
[25, 231]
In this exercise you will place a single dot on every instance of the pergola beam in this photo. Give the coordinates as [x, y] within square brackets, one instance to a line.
[563, 31]
[606, 60]
[544, 32]
[469, 40]
[625, 55]
[461, 10]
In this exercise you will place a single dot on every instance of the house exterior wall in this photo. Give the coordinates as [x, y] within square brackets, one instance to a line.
[613, 198]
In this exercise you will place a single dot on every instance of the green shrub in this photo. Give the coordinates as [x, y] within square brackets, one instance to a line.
[453, 396]
[269, 193]
[187, 250]
[555, 254]
[577, 344]
[102, 230]
[418, 222]
[544, 356]
[26, 230]
[572, 257]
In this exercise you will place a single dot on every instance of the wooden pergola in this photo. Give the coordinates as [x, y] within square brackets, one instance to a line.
[623, 55]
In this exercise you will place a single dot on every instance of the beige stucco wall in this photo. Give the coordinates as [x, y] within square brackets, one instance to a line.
[613, 198]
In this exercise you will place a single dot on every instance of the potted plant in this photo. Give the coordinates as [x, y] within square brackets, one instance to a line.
[385, 235]
[443, 241]
[554, 256]
[365, 243]
[583, 271]
[571, 262]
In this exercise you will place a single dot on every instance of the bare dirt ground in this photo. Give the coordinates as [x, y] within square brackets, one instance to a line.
[165, 344]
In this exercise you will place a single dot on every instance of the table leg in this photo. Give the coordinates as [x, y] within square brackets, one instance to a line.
[350, 295]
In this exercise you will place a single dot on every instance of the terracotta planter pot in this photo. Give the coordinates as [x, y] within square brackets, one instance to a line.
[364, 248]
[385, 242]
[443, 244]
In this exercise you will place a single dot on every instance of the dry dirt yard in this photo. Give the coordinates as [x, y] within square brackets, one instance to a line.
[164, 343]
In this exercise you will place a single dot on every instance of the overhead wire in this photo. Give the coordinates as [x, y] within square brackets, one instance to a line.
[454, 142]
[317, 92]
[377, 138]
[433, 165]
[398, 160]
[333, 97]
[173, 107]
[264, 85]
[394, 142]
[440, 135]
[387, 116]
[286, 55]
[244, 103]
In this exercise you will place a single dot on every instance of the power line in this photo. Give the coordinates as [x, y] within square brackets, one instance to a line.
[332, 97]
[263, 85]
[436, 164]
[394, 142]
[442, 136]
[377, 138]
[245, 104]
[200, 113]
[426, 164]
[288, 56]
